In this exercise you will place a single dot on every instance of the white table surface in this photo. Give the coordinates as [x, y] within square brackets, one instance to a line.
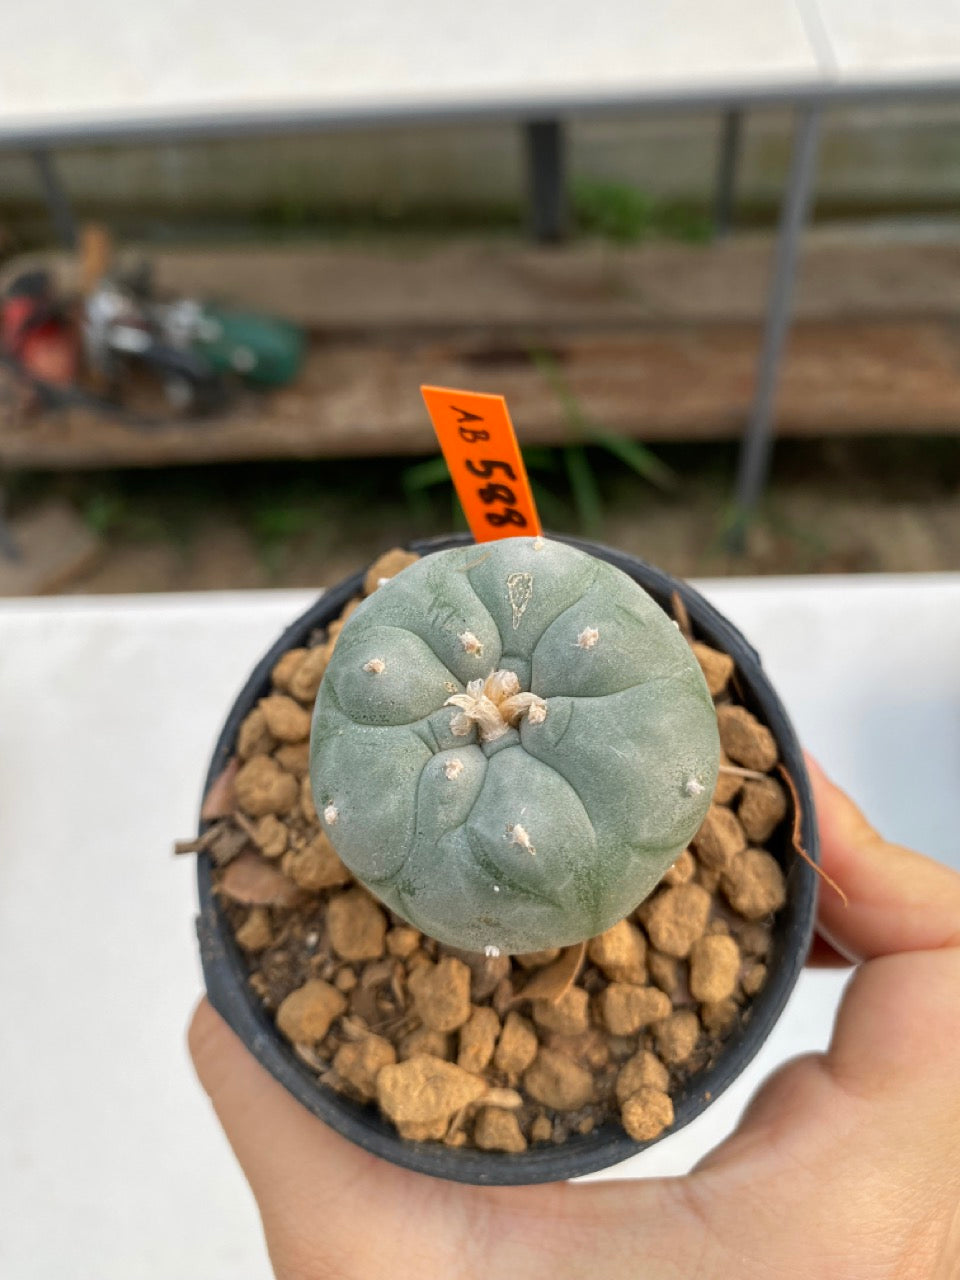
[71, 70]
[106, 59]
[111, 1165]
[886, 40]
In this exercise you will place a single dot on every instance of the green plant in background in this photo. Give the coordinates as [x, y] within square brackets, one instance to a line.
[511, 744]
[620, 212]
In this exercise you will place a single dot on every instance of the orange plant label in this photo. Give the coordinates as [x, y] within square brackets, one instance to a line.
[481, 450]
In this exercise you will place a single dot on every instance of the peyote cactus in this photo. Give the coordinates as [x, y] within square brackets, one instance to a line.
[511, 744]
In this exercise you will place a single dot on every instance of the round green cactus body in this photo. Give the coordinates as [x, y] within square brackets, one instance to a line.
[511, 744]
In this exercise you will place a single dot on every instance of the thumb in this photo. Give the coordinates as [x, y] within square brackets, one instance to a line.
[292, 1160]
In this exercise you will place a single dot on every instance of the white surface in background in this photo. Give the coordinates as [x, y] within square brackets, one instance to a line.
[63, 63]
[111, 1165]
[888, 39]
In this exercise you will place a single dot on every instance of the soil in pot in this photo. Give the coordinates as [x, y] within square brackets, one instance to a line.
[494, 1052]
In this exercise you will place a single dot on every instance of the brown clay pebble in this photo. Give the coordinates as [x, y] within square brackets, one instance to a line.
[591, 1047]
[441, 994]
[403, 941]
[719, 1018]
[425, 1090]
[517, 1046]
[345, 980]
[745, 740]
[557, 1082]
[681, 871]
[387, 566]
[719, 838]
[306, 1014]
[541, 1130]
[498, 1130]
[676, 1036]
[728, 784]
[707, 878]
[569, 1015]
[305, 681]
[644, 1068]
[316, 866]
[626, 1008]
[620, 953]
[714, 966]
[717, 667]
[286, 719]
[646, 1114]
[486, 972]
[359, 1062]
[307, 807]
[537, 959]
[271, 836]
[478, 1039]
[753, 884]
[253, 737]
[255, 882]
[425, 1040]
[754, 938]
[429, 1131]
[676, 917]
[283, 670]
[754, 976]
[255, 934]
[763, 804]
[665, 971]
[262, 787]
[294, 757]
[357, 926]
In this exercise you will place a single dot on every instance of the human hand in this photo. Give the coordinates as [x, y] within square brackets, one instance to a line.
[846, 1165]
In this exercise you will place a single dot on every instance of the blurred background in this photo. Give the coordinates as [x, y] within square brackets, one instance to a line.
[224, 277]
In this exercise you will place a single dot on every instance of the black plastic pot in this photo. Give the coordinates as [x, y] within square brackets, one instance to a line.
[225, 969]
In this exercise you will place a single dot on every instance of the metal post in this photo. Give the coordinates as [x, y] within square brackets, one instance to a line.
[8, 545]
[757, 442]
[57, 200]
[547, 180]
[728, 157]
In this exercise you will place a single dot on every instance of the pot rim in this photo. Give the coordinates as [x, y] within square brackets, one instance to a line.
[225, 970]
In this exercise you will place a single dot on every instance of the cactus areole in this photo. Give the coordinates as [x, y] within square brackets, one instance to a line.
[511, 744]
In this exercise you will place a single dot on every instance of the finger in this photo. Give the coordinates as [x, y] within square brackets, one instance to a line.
[898, 900]
[900, 1018]
[330, 1208]
[293, 1161]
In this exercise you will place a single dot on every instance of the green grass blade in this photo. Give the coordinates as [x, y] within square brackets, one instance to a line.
[583, 488]
[638, 458]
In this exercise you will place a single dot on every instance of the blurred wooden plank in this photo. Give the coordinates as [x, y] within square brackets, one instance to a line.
[406, 285]
[681, 383]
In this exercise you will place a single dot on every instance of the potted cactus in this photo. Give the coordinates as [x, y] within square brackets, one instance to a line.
[528, 899]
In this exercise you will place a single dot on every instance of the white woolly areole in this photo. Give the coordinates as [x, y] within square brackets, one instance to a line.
[693, 787]
[539, 543]
[470, 643]
[453, 769]
[376, 666]
[491, 952]
[519, 835]
[587, 638]
[494, 705]
[330, 814]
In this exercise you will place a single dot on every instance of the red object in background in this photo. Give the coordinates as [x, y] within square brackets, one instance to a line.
[37, 333]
